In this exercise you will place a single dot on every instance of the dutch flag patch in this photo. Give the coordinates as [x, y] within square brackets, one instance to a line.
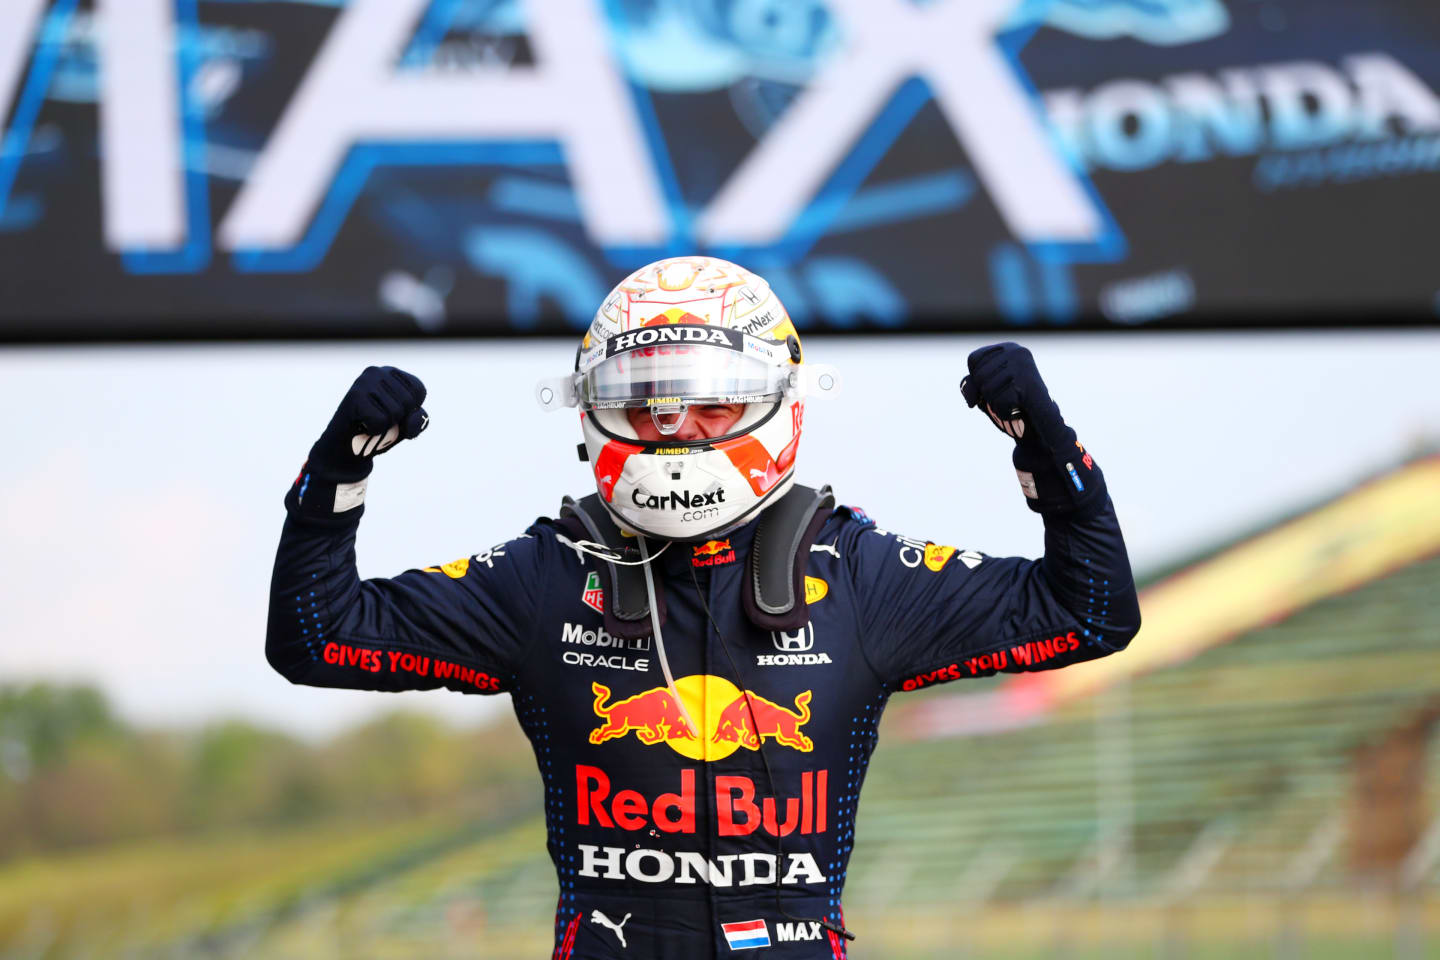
[747, 934]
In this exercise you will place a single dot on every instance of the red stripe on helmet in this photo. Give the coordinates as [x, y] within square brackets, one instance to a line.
[609, 465]
[787, 456]
[754, 463]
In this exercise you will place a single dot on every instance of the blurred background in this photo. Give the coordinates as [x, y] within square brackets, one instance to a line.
[1212, 221]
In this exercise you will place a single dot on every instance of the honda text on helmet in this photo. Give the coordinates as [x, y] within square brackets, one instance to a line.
[678, 334]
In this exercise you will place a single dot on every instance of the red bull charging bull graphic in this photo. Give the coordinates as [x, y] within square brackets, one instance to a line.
[752, 718]
[730, 718]
[653, 715]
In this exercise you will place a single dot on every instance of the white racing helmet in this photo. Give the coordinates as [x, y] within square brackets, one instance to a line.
[679, 333]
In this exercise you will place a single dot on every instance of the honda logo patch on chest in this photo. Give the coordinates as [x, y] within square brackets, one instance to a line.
[797, 647]
[796, 642]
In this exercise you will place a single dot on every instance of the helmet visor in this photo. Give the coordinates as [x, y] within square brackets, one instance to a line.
[680, 374]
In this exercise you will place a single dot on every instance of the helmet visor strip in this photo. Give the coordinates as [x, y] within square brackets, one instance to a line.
[680, 375]
[669, 379]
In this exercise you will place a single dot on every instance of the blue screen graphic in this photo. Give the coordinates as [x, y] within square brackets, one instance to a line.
[1122, 163]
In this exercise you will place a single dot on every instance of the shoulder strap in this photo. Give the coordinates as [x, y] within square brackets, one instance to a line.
[627, 607]
[775, 600]
[776, 566]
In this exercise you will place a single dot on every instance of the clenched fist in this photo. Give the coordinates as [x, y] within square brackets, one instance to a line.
[1056, 473]
[381, 408]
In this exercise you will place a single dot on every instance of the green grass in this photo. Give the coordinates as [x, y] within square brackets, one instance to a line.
[160, 890]
[437, 889]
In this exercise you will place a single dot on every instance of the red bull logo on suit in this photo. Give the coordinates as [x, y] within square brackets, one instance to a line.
[712, 553]
[736, 810]
[729, 717]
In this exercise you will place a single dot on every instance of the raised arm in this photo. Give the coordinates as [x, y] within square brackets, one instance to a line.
[462, 625]
[934, 614]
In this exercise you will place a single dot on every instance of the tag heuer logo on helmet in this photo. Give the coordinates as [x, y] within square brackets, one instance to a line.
[676, 333]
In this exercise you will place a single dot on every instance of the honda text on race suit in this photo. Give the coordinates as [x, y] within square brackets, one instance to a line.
[667, 834]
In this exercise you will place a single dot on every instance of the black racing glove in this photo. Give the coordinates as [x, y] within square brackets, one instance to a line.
[1056, 473]
[382, 407]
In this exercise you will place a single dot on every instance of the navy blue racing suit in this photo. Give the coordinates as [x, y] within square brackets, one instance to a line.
[665, 843]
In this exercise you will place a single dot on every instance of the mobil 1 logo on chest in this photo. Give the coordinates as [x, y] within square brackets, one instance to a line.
[587, 646]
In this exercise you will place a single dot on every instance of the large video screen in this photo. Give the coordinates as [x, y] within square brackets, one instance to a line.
[197, 168]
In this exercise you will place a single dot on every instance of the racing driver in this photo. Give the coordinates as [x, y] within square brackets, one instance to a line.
[700, 650]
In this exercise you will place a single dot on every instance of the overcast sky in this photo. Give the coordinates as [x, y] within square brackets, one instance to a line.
[141, 487]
